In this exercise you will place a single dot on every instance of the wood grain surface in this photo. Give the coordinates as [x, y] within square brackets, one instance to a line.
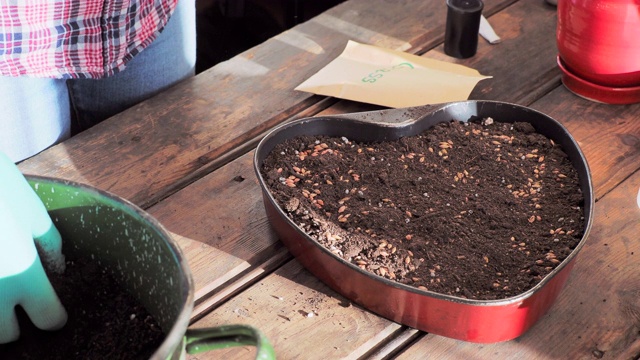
[609, 135]
[186, 156]
[163, 144]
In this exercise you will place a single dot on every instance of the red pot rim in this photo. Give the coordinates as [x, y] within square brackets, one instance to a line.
[596, 92]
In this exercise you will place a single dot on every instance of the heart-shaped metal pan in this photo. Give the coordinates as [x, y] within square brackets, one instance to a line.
[483, 321]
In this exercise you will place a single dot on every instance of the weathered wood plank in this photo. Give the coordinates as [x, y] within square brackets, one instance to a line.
[164, 143]
[220, 225]
[609, 135]
[301, 317]
[209, 301]
[597, 315]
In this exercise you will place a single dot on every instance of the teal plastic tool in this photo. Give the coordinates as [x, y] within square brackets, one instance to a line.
[27, 237]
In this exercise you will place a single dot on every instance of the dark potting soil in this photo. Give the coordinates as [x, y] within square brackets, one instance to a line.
[476, 210]
[104, 321]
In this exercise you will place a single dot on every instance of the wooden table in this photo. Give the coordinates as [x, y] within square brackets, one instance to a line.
[186, 157]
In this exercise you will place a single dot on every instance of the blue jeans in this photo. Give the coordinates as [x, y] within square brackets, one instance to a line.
[37, 113]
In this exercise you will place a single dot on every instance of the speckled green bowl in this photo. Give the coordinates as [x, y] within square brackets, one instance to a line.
[144, 258]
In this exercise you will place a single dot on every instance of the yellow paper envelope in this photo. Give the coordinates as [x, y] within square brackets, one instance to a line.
[391, 78]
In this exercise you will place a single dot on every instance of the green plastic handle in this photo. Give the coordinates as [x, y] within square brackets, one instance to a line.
[222, 337]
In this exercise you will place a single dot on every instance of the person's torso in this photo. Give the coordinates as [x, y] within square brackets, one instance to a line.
[76, 38]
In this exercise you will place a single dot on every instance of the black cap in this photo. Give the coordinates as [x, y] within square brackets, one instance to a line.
[463, 24]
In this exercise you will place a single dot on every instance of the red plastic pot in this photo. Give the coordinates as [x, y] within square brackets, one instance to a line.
[482, 321]
[598, 41]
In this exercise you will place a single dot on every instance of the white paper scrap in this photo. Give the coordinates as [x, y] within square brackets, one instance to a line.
[487, 32]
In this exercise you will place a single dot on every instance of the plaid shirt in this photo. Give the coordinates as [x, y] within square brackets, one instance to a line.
[76, 38]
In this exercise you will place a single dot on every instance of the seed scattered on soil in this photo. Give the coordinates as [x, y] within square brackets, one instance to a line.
[437, 210]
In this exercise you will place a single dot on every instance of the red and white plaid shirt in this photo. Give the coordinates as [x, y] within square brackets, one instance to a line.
[76, 38]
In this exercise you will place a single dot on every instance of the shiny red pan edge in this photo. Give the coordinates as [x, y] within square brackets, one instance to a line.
[481, 321]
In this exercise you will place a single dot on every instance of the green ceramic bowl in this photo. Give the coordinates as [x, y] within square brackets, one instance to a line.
[142, 255]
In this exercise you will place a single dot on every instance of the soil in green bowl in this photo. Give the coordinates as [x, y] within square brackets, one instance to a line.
[105, 322]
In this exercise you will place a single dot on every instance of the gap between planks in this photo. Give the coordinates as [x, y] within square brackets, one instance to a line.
[216, 296]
